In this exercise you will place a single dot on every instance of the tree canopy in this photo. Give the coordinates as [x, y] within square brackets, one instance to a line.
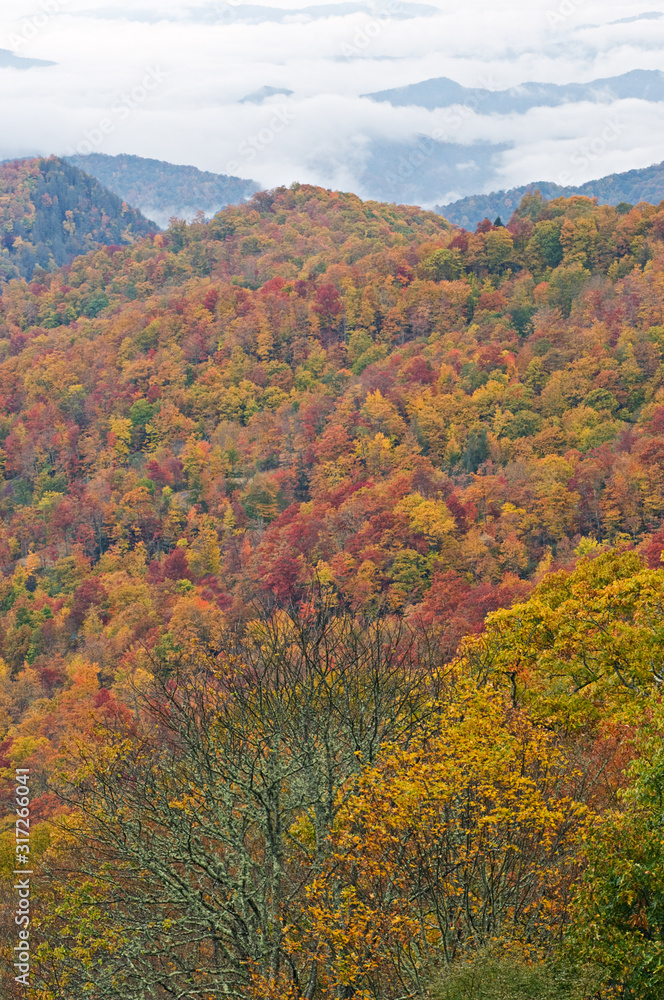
[331, 539]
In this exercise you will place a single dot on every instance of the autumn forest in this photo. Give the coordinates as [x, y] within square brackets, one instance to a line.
[331, 597]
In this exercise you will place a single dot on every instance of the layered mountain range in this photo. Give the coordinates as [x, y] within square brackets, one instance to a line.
[164, 190]
[442, 92]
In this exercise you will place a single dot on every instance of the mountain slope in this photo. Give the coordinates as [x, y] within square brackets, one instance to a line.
[630, 187]
[164, 190]
[343, 387]
[300, 452]
[50, 212]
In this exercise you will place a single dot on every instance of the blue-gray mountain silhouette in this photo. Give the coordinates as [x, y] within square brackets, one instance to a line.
[647, 85]
[258, 14]
[11, 61]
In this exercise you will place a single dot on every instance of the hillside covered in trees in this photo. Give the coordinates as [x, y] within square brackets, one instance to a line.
[626, 189]
[50, 212]
[164, 190]
[331, 593]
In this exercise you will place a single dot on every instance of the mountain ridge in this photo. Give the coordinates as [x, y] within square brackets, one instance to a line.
[630, 187]
[440, 92]
[51, 212]
[162, 190]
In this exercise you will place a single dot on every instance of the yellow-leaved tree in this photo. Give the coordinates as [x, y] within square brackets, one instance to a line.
[588, 645]
[464, 838]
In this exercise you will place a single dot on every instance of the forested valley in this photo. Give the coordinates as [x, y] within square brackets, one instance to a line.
[331, 606]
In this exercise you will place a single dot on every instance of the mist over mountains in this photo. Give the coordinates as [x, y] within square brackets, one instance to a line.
[259, 14]
[413, 170]
[403, 101]
[224, 12]
[54, 209]
[162, 190]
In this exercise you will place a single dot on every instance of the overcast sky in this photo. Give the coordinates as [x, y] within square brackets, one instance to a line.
[188, 65]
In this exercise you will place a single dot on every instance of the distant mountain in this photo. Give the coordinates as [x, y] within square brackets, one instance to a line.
[249, 13]
[630, 188]
[423, 171]
[413, 172]
[260, 95]
[647, 85]
[258, 14]
[50, 212]
[651, 15]
[11, 61]
[162, 190]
